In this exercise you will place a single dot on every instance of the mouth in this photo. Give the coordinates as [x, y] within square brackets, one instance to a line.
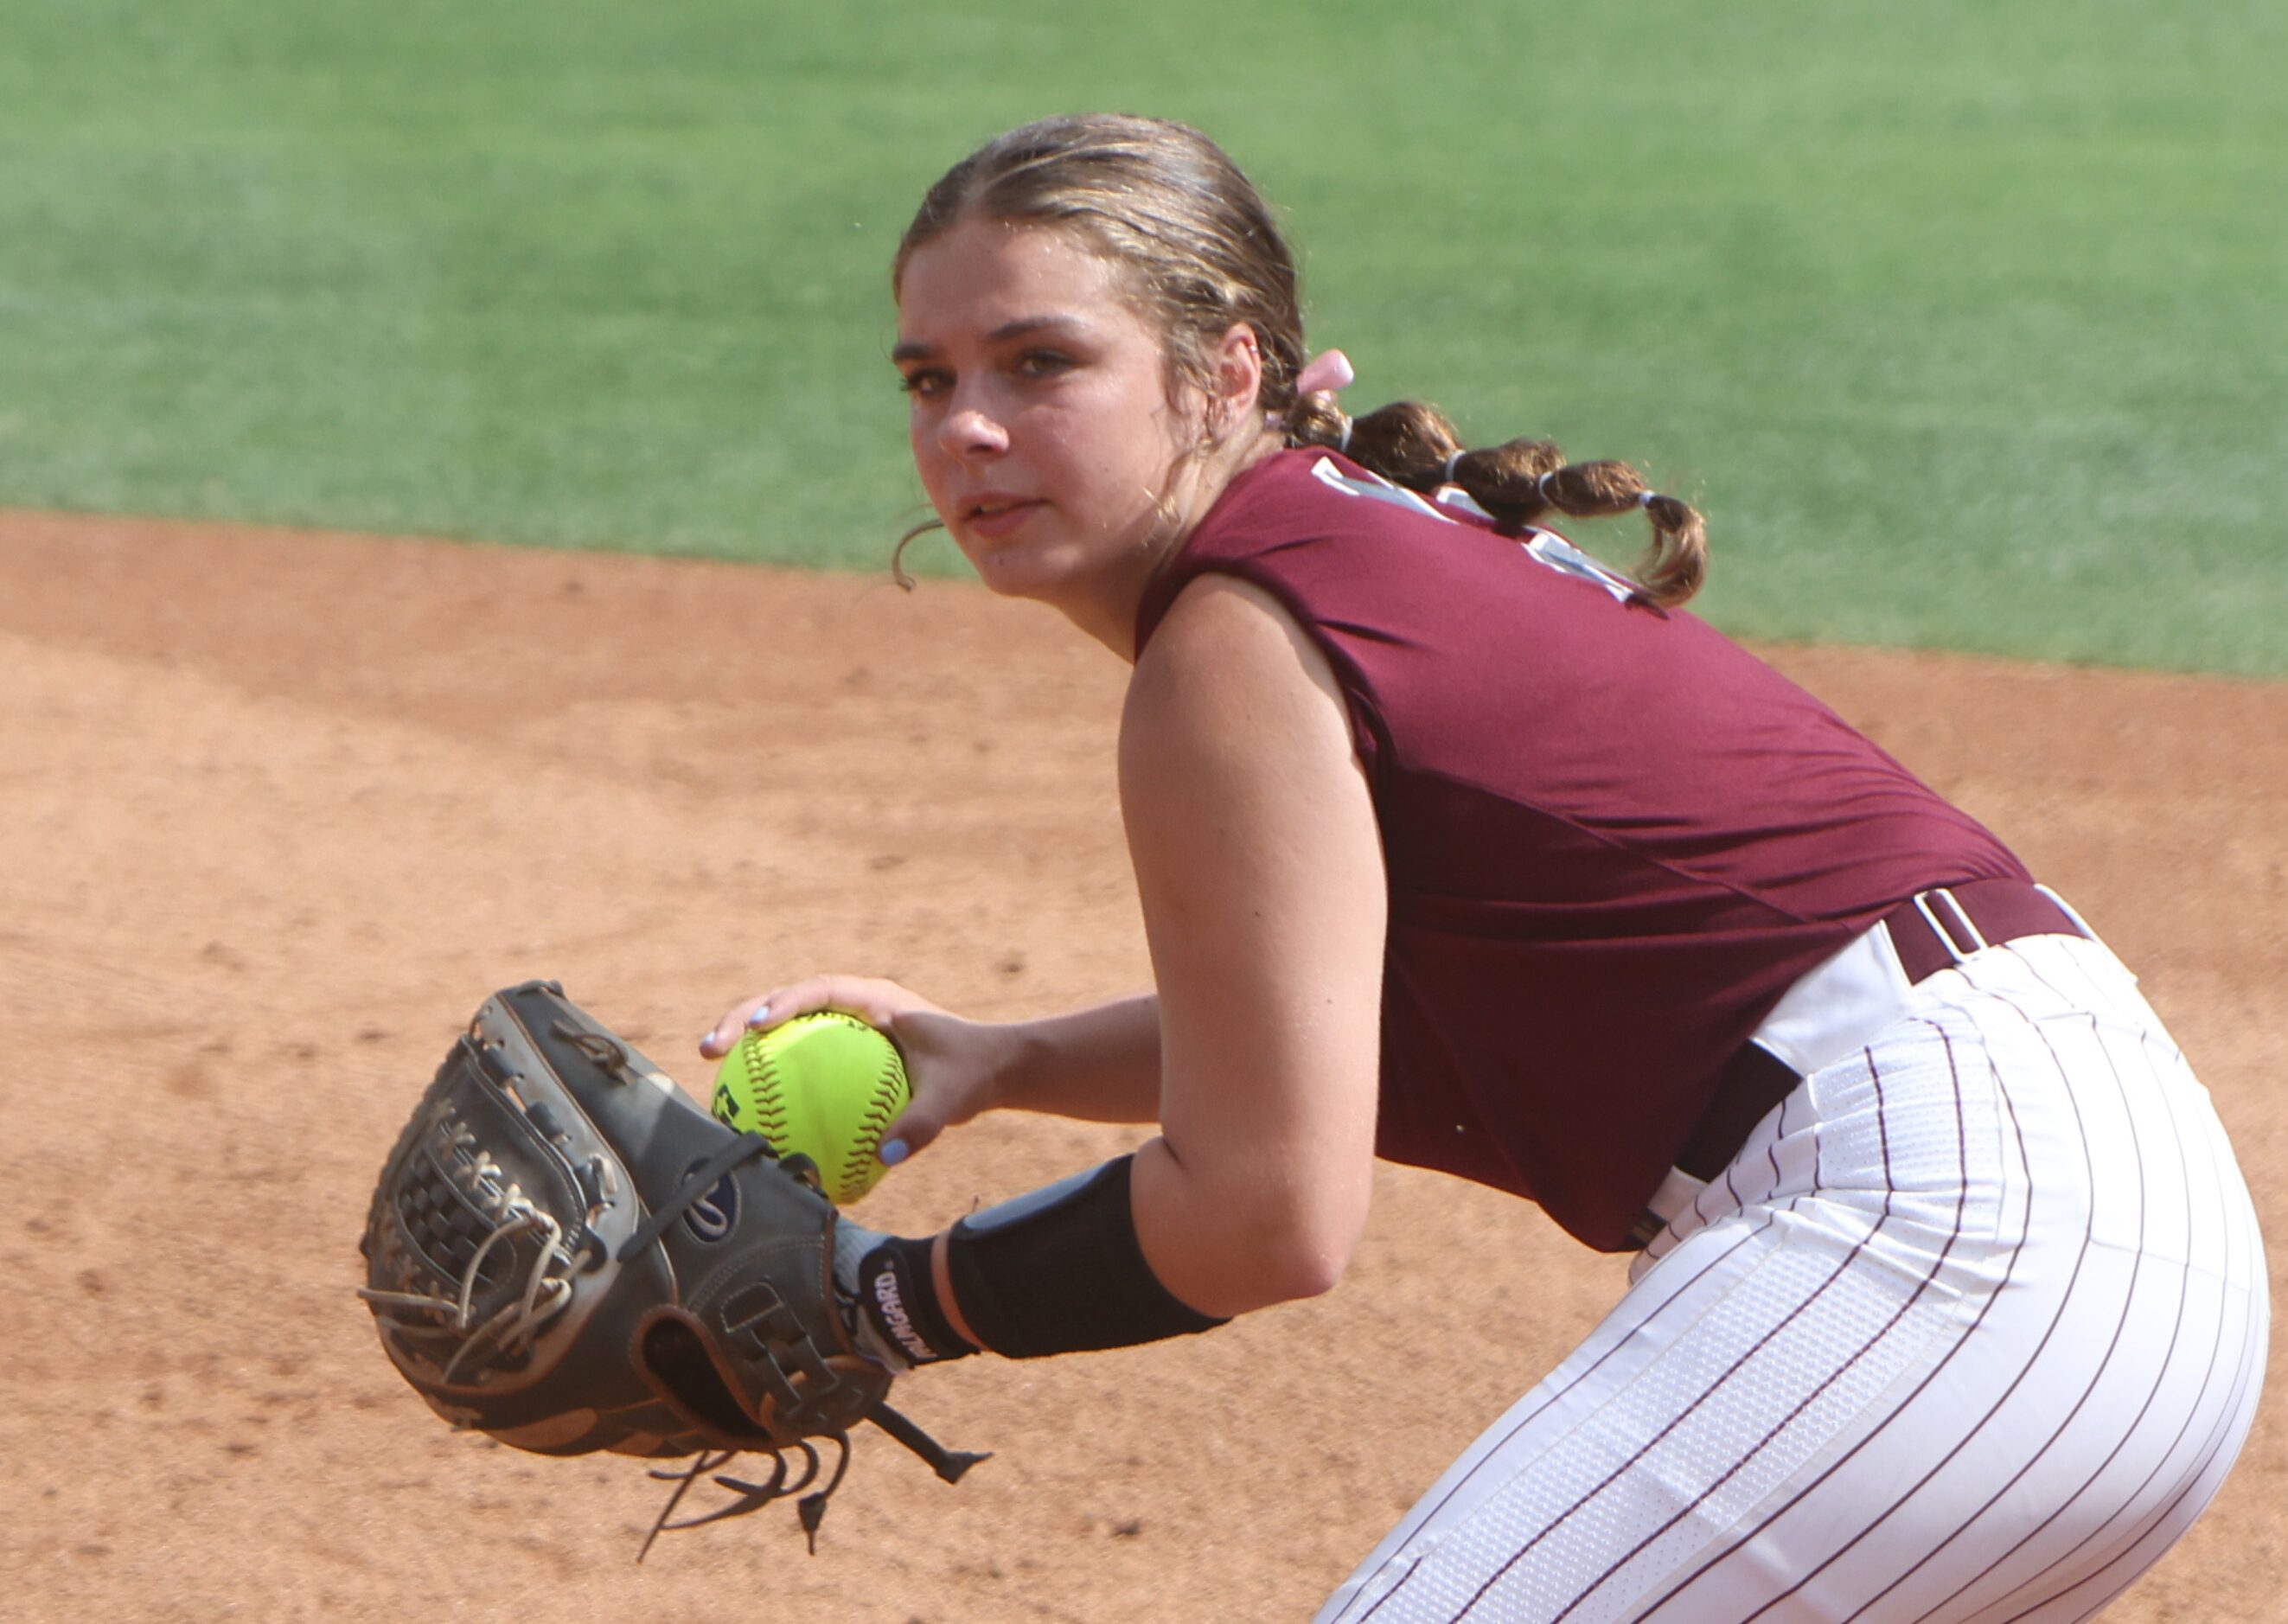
[997, 515]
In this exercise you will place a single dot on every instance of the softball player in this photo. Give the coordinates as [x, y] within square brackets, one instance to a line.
[1946, 1299]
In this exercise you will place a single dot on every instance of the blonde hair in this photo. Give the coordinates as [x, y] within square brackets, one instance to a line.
[1200, 252]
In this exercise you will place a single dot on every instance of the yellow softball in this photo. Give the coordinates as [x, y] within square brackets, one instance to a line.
[824, 1085]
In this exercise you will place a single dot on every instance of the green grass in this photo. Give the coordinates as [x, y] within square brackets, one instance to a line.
[1961, 320]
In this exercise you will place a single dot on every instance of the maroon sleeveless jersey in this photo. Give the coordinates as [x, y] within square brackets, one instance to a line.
[1613, 838]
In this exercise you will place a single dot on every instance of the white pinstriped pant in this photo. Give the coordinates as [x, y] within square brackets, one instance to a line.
[1972, 1328]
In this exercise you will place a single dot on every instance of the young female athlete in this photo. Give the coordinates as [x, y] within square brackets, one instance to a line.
[1947, 1300]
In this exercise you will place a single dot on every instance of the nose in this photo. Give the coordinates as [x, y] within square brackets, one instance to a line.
[969, 430]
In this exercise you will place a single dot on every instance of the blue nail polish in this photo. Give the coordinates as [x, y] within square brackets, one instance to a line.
[759, 1016]
[893, 1152]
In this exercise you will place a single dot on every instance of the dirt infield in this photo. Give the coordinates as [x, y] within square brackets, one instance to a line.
[276, 810]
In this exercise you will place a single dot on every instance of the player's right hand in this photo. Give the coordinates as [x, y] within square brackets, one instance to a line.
[953, 1066]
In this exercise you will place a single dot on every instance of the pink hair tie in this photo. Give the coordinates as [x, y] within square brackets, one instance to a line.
[1329, 372]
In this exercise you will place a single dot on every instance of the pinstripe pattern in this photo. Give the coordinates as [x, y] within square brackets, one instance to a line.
[1977, 1429]
[1972, 1328]
[1874, 1435]
[1886, 1328]
[1573, 1378]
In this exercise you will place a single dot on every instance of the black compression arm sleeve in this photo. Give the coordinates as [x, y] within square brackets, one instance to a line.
[1061, 1271]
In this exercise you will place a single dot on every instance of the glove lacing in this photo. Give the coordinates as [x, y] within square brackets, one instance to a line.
[810, 1511]
[547, 1291]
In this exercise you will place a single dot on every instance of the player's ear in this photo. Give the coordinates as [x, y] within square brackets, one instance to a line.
[1237, 370]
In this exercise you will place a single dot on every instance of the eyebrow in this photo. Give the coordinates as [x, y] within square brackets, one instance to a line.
[913, 349]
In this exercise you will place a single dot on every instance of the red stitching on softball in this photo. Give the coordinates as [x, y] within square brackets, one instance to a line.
[873, 1123]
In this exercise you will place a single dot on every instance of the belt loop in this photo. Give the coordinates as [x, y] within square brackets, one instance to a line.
[2067, 908]
[1969, 926]
[1946, 939]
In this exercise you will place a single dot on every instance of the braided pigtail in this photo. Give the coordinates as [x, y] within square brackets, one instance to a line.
[1414, 445]
[1314, 419]
[1406, 441]
[1676, 563]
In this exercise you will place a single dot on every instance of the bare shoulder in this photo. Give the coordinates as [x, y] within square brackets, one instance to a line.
[1214, 609]
[1250, 820]
[1229, 667]
[1259, 870]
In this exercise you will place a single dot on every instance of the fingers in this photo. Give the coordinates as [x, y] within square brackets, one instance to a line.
[878, 1003]
[928, 1037]
[716, 1041]
[913, 1130]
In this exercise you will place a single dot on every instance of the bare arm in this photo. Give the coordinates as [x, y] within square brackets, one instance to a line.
[1100, 1064]
[1258, 863]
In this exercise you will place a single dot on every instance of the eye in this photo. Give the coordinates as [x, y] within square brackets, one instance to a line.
[925, 383]
[1042, 364]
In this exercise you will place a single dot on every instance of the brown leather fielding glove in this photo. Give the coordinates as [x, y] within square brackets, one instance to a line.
[566, 1253]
